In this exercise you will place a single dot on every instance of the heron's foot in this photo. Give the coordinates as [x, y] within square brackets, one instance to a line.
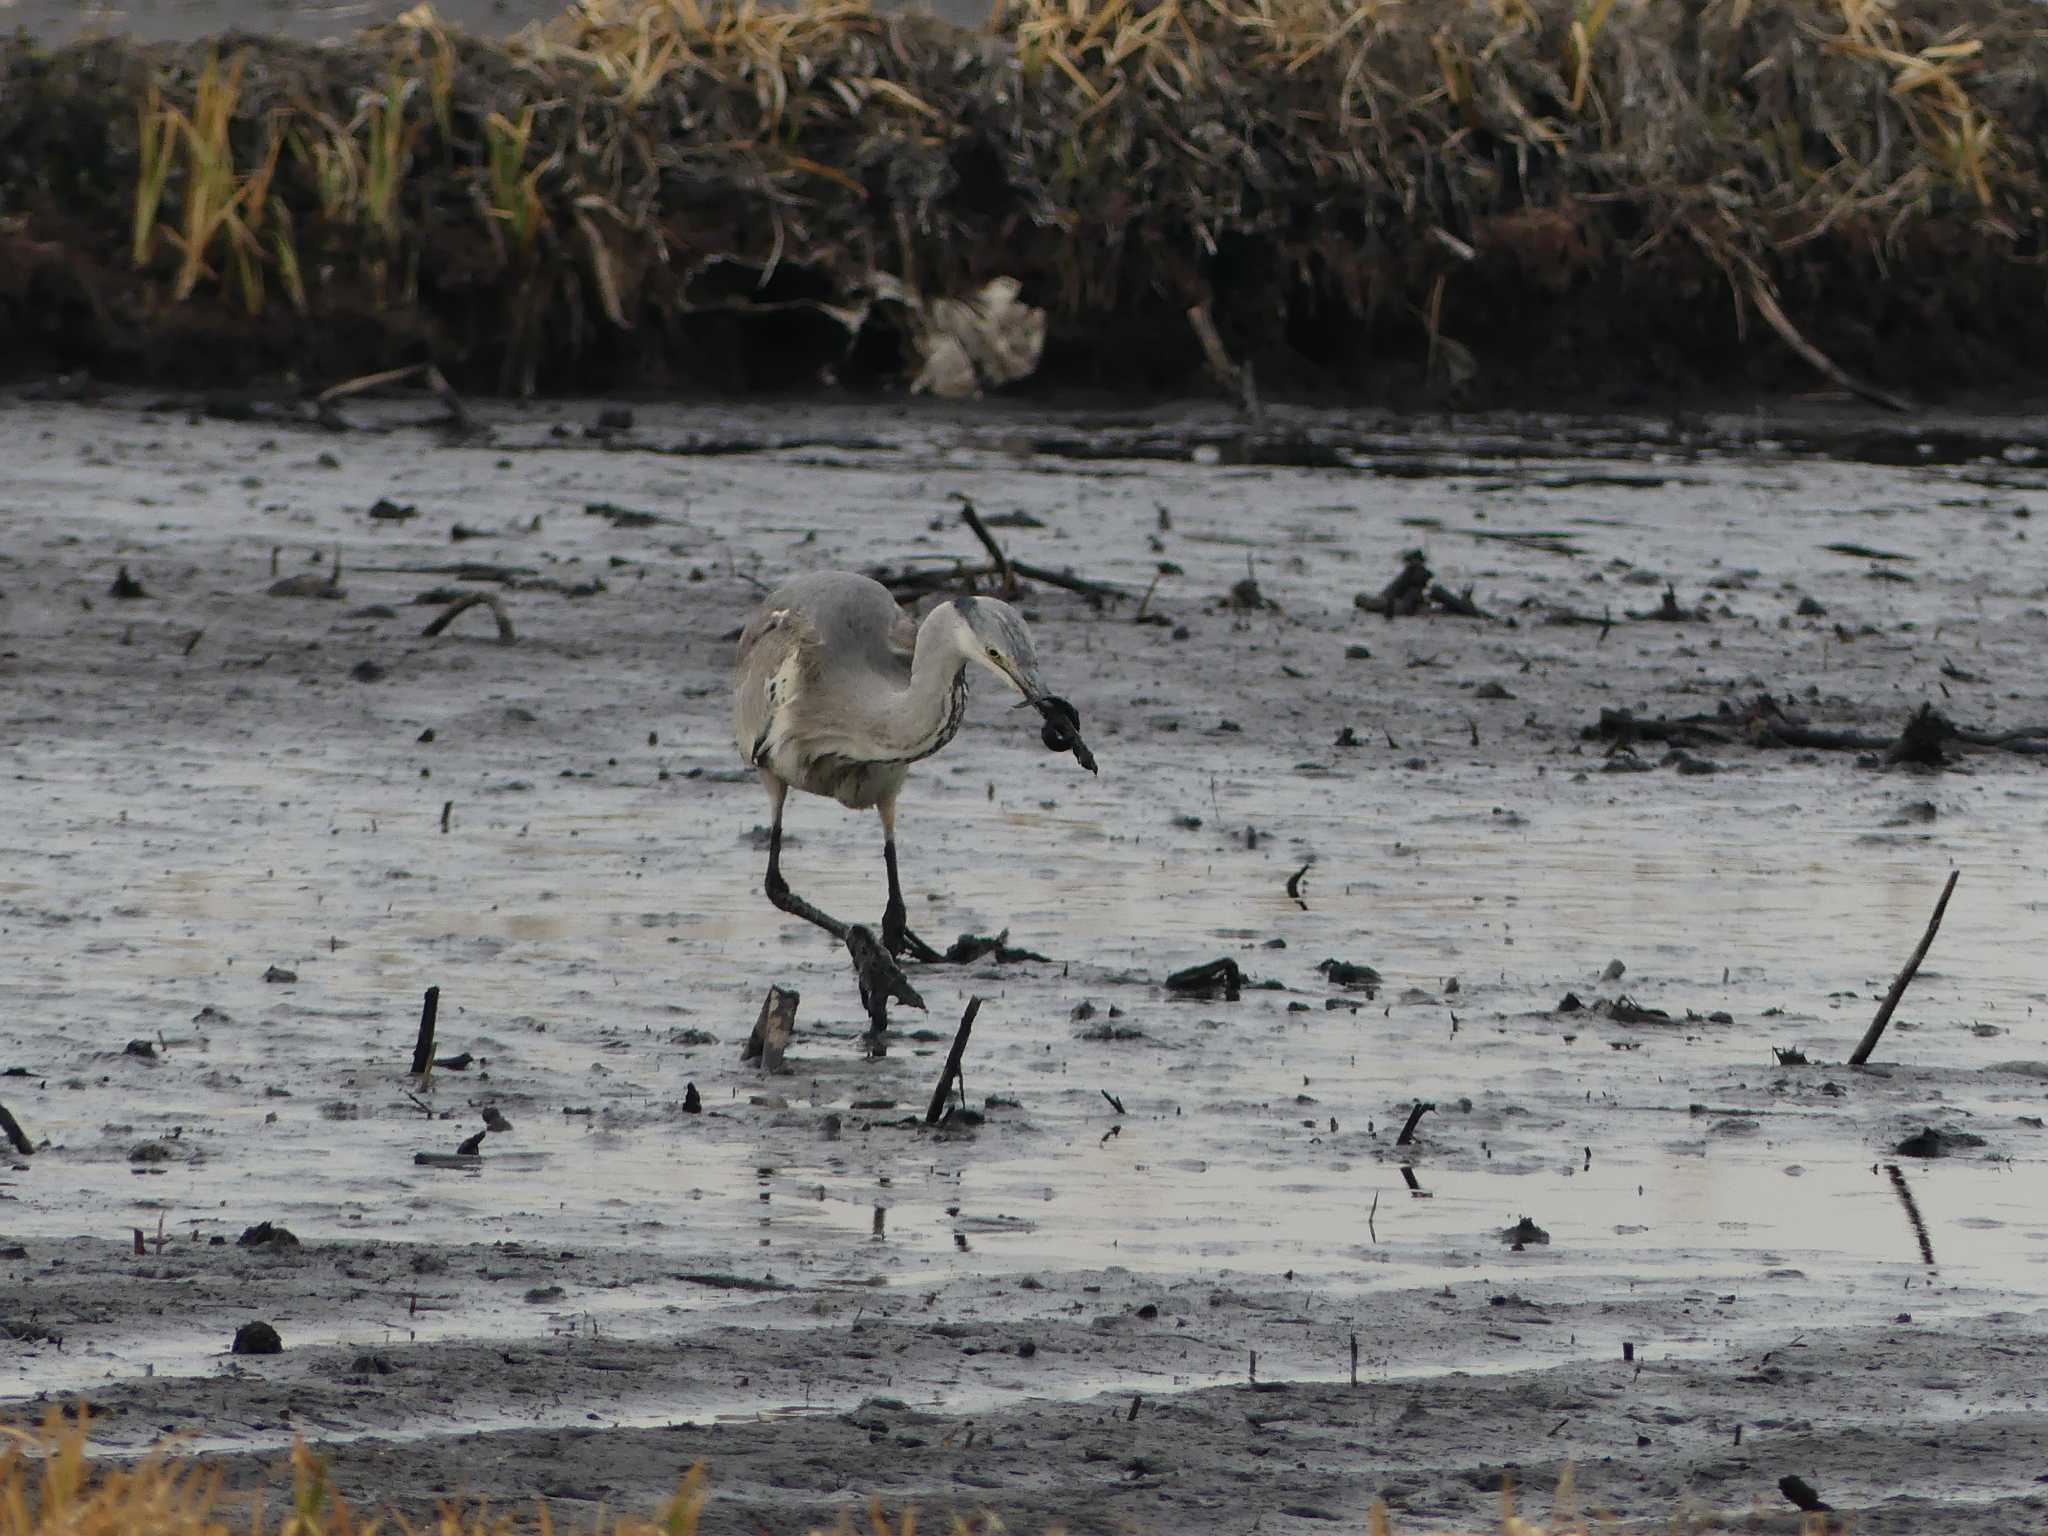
[881, 983]
[899, 941]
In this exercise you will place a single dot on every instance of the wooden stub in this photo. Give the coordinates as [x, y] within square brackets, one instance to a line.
[16, 1136]
[423, 1046]
[773, 1030]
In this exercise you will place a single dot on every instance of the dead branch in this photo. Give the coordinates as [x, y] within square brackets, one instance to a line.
[952, 1069]
[423, 1047]
[1891, 998]
[468, 601]
[1767, 306]
[973, 520]
[16, 1136]
[1415, 589]
[458, 417]
[1415, 1115]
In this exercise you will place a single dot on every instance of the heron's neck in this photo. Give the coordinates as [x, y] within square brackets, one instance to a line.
[923, 717]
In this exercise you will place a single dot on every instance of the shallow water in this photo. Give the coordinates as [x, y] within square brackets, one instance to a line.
[175, 822]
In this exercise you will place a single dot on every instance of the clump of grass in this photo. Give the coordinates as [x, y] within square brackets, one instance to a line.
[514, 191]
[386, 154]
[222, 211]
[50, 1486]
[1409, 175]
[155, 146]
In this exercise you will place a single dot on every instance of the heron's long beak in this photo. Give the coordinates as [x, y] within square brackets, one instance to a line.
[1026, 681]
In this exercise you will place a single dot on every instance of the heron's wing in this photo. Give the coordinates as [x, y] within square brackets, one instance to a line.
[772, 636]
[816, 662]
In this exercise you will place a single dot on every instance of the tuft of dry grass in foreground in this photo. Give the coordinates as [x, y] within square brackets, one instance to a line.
[50, 1486]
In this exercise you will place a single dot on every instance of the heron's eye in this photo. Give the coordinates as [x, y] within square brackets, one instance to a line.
[994, 654]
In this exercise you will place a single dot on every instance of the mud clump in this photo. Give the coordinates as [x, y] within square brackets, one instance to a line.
[256, 1338]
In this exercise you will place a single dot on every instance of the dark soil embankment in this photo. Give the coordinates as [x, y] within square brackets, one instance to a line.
[1478, 203]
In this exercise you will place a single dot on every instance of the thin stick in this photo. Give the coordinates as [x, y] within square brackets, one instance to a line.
[1891, 999]
[1071, 583]
[423, 1048]
[427, 373]
[468, 601]
[1767, 306]
[938, 1104]
[973, 520]
[16, 1136]
[369, 381]
[1414, 1117]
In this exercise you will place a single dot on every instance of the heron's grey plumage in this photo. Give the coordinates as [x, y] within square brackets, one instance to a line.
[837, 693]
[830, 696]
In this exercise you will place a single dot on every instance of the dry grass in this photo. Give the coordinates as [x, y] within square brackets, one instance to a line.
[50, 1486]
[1384, 160]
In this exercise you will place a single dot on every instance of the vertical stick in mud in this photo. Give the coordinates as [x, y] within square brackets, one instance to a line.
[16, 1136]
[1891, 1000]
[938, 1104]
[423, 1048]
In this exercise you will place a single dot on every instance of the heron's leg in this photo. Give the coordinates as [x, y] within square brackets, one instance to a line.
[778, 888]
[897, 938]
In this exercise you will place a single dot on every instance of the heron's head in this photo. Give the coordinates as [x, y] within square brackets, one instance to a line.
[993, 633]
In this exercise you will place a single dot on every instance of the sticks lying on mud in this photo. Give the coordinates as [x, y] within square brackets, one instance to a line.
[466, 602]
[1001, 568]
[423, 1047]
[937, 1109]
[1891, 999]
[458, 418]
[1762, 723]
[16, 1136]
[1415, 588]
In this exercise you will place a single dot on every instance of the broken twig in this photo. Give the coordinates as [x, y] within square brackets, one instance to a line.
[468, 601]
[1891, 999]
[973, 520]
[952, 1069]
[1415, 1115]
[423, 1048]
[16, 1136]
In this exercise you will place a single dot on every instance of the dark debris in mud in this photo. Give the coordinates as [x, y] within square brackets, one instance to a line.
[1923, 741]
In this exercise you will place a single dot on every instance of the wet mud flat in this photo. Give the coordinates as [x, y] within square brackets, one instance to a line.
[252, 813]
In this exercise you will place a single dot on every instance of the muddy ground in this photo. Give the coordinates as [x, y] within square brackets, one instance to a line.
[244, 828]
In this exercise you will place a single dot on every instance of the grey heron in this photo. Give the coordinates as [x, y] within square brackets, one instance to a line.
[836, 692]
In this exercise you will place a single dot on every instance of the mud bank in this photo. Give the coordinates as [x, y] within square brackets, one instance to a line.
[1471, 206]
[251, 813]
